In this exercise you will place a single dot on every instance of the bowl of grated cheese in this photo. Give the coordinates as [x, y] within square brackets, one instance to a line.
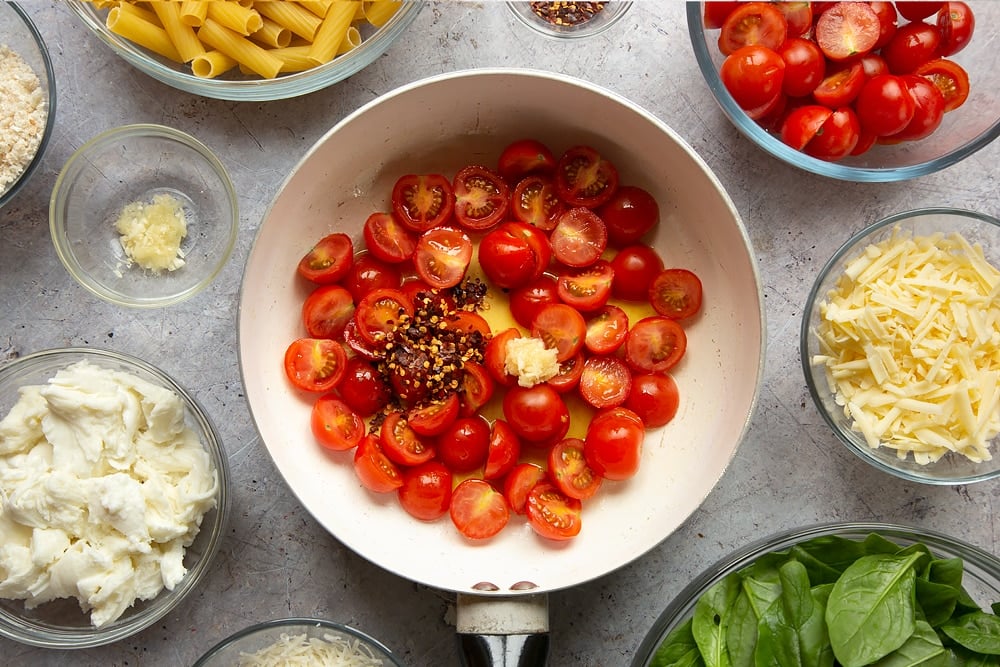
[899, 345]
[144, 215]
[298, 641]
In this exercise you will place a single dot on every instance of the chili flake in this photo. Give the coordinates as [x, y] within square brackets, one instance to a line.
[567, 13]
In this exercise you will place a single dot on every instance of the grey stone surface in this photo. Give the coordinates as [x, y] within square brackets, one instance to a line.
[276, 561]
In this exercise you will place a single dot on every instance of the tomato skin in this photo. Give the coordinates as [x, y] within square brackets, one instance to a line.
[928, 109]
[629, 215]
[569, 374]
[584, 178]
[536, 202]
[635, 266]
[804, 66]
[326, 311]
[476, 390]
[422, 201]
[464, 445]
[514, 254]
[655, 344]
[478, 510]
[329, 260]
[362, 389]
[401, 443]
[753, 75]
[839, 88]
[433, 418]
[802, 124]
[917, 10]
[605, 382]
[676, 293]
[753, 23]
[373, 469]
[370, 273]
[716, 12]
[495, 356]
[315, 364]
[613, 445]
[606, 330]
[388, 239]
[442, 256]
[956, 22]
[912, 46]
[888, 20]
[537, 414]
[587, 289]
[560, 327]
[425, 492]
[838, 136]
[519, 482]
[481, 197]
[884, 105]
[654, 398]
[503, 452]
[569, 471]
[798, 16]
[847, 29]
[950, 78]
[551, 513]
[527, 301]
[579, 237]
[335, 425]
[523, 157]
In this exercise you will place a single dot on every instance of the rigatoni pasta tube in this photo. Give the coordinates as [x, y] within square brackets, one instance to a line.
[378, 12]
[182, 35]
[317, 7]
[211, 64]
[137, 29]
[332, 31]
[239, 48]
[272, 34]
[235, 16]
[299, 20]
[193, 12]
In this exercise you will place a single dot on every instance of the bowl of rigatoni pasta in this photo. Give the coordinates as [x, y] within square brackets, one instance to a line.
[248, 50]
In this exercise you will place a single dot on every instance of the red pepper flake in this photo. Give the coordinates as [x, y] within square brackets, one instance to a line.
[567, 13]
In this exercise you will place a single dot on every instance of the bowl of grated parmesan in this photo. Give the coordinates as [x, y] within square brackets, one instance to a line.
[27, 99]
[899, 344]
[144, 215]
[298, 641]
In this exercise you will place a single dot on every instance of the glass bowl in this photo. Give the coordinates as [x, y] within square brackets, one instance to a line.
[952, 468]
[238, 87]
[228, 652]
[142, 163]
[962, 132]
[19, 35]
[60, 623]
[596, 23]
[981, 570]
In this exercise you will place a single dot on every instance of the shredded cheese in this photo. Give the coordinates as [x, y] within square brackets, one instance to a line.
[328, 651]
[152, 232]
[910, 341]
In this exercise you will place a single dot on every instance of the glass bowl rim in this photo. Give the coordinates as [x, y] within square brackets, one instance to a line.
[776, 148]
[166, 601]
[835, 264]
[57, 212]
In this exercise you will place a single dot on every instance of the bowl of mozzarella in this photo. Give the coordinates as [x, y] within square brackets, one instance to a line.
[899, 344]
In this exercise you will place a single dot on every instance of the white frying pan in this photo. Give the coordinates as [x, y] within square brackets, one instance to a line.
[438, 125]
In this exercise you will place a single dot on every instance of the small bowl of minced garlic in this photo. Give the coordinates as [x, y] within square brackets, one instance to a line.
[143, 215]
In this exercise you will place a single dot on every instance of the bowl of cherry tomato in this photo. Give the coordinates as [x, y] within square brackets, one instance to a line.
[858, 91]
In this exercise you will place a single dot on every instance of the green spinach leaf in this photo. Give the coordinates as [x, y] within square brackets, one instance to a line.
[709, 622]
[978, 631]
[922, 649]
[792, 632]
[678, 649]
[963, 657]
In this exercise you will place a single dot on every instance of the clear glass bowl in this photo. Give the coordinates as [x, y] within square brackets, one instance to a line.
[134, 163]
[963, 131]
[20, 35]
[612, 12]
[247, 88]
[951, 469]
[61, 624]
[256, 637]
[981, 578]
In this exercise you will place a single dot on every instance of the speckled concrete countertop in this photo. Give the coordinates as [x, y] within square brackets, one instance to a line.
[276, 561]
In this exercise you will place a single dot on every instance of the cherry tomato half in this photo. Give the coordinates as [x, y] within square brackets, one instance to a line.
[613, 445]
[956, 23]
[551, 513]
[481, 197]
[464, 444]
[434, 417]
[587, 289]
[847, 30]
[536, 202]
[606, 330]
[676, 293]
[362, 388]
[605, 381]
[584, 178]
[527, 301]
[380, 312]
[373, 468]
[523, 157]
[388, 239]
[326, 311]
[334, 424]
[401, 443]
[369, 273]
[753, 23]
[423, 201]
[425, 492]
[950, 78]
[884, 105]
[329, 260]
[753, 75]
[562, 328]
[837, 137]
[654, 398]
[442, 256]
[504, 450]
[569, 471]
[579, 237]
[478, 510]
[519, 482]
[805, 66]
[629, 215]
[315, 364]
[514, 254]
[655, 344]
[537, 414]
[635, 267]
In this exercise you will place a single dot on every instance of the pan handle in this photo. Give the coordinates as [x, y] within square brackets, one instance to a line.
[504, 631]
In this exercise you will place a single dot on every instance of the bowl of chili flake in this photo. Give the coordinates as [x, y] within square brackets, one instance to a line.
[569, 20]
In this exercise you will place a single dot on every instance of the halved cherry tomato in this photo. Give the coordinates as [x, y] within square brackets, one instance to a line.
[716, 12]
[613, 445]
[380, 312]
[523, 157]
[587, 289]
[434, 417]
[357, 344]
[481, 197]
[838, 136]
[753, 75]
[426, 490]
[326, 311]
[873, 65]
[464, 445]
[551, 513]
[569, 471]
[519, 482]
[635, 267]
[884, 105]
[423, 201]
[956, 23]
[753, 23]
[654, 398]
[495, 356]
[478, 510]
[504, 450]
[315, 364]
[840, 87]
[629, 214]
[537, 414]
[387, 238]
[561, 328]
[655, 344]
[329, 260]
[887, 22]
[369, 273]
[950, 78]
[568, 377]
[605, 382]
[514, 254]
[802, 124]
[913, 45]
[847, 29]
[536, 202]
[579, 238]
[805, 66]
[442, 256]
[527, 301]
[373, 468]
[362, 388]
[334, 424]
[916, 10]
[476, 389]
[401, 443]
[606, 330]
[928, 109]
[798, 16]
[584, 178]
[467, 322]
[676, 293]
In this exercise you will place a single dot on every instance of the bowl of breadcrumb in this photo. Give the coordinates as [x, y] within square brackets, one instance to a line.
[27, 99]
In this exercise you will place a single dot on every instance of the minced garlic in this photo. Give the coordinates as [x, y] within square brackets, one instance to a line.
[152, 232]
[530, 361]
[909, 339]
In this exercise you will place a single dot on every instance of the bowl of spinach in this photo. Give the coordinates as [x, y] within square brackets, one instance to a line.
[848, 594]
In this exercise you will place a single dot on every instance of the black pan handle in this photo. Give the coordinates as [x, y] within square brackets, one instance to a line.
[503, 631]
